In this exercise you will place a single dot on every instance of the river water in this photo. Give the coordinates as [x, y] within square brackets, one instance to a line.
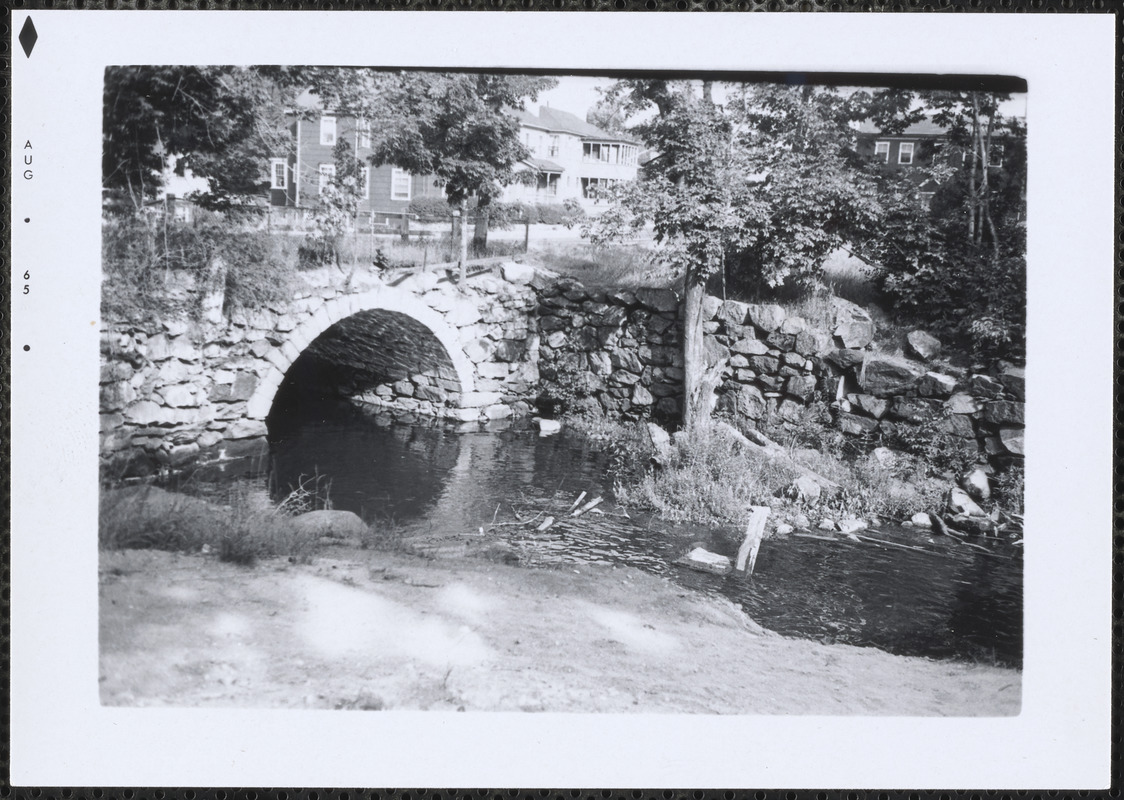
[428, 481]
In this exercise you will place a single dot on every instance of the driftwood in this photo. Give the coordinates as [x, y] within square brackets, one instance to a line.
[754, 533]
[591, 504]
[576, 502]
[546, 523]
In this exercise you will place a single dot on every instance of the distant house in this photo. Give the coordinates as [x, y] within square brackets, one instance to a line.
[570, 158]
[298, 177]
[922, 144]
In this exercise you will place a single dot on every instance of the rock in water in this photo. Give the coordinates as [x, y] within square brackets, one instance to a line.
[548, 427]
[959, 502]
[706, 561]
[921, 520]
[852, 524]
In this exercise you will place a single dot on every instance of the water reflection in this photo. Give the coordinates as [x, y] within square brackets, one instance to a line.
[430, 479]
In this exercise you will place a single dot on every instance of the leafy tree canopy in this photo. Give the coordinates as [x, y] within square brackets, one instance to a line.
[457, 127]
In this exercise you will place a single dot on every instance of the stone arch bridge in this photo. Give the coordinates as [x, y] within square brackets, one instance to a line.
[179, 389]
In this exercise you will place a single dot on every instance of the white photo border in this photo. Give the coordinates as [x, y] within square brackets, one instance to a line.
[62, 736]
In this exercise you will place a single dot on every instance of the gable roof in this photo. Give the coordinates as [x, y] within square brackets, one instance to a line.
[554, 120]
[925, 127]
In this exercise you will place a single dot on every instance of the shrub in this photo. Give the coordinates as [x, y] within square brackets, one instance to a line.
[154, 266]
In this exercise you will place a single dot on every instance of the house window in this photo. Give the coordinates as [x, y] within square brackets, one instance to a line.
[327, 173]
[328, 131]
[995, 155]
[882, 151]
[553, 151]
[364, 133]
[399, 184]
[277, 173]
[905, 153]
[365, 176]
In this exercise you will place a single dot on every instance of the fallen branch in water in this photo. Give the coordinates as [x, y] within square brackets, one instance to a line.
[576, 502]
[546, 523]
[591, 504]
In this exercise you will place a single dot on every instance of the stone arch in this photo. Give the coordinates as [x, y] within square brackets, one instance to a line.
[337, 309]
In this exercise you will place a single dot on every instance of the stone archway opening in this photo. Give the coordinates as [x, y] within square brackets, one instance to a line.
[377, 357]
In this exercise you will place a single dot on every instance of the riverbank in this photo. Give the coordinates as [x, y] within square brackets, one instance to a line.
[362, 629]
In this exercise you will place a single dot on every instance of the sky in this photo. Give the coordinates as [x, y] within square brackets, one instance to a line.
[578, 94]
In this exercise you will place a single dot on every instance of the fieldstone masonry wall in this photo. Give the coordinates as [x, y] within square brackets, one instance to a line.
[178, 390]
[622, 350]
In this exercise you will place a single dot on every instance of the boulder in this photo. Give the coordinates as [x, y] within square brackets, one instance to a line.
[732, 314]
[1014, 381]
[1012, 440]
[853, 524]
[845, 359]
[856, 426]
[745, 400]
[793, 325]
[750, 347]
[936, 384]
[985, 386]
[921, 520]
[1004, 412]
[641, 396]
[179, 395]
[767, 317]
[802, 386]
[806, 489]
[914, 409]
[869, 404]
[246, 429]
[962, 403]
[854, 334]
[976, 484]
[658, 299]
[811, 342]
[330, 523]
[514, 272]
[922, 345]
[884, 456]
[883, 376]
[958, 502]
[710, 306]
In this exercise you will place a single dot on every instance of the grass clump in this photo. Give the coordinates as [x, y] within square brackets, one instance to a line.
[621, 266]
[147, 517]
[708, 479]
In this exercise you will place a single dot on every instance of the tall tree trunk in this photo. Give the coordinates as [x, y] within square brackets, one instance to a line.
[695, 406]
[973, 199]
[463, 259]
[480, 231]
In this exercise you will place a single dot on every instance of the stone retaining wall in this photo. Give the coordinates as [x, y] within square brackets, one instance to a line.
[622, 351]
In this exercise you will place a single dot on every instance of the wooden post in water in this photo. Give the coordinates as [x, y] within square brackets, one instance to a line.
[754, 533]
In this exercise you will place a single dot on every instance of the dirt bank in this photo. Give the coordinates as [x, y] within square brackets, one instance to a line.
[362, 629]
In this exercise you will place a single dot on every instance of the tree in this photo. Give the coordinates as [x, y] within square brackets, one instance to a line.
[764, 186]
[338, 204]
[958, 264]
[221, 122]
[458, 128]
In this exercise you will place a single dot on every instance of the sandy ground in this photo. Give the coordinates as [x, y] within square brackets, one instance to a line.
[373, 630]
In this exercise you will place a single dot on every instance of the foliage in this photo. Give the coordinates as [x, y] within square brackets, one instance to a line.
[457, 127]
[958, 265]
[148, 517]
[153, 266]
[221, 122]
[337, 208]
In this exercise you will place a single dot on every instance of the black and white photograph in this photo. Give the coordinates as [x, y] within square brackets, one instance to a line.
[593, 394]
[471, 401]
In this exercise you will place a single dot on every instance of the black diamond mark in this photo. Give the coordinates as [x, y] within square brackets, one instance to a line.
[28, 36]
